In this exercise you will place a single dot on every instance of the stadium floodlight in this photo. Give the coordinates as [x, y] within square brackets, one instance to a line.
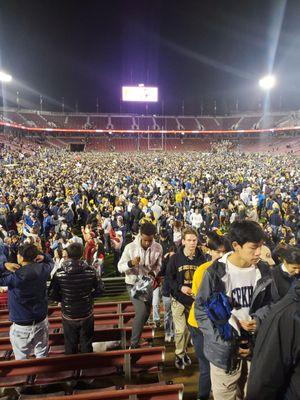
[267, 82]
[4, 77]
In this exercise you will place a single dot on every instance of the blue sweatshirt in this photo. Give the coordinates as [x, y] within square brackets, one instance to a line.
[27, 291]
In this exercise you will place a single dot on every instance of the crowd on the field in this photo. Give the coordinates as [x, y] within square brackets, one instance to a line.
[213, 238]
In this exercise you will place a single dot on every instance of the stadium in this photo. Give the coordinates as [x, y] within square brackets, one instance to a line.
[273, 133]
[149, 240]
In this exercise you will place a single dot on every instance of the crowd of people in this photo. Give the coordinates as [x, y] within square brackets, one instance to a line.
[190, 230]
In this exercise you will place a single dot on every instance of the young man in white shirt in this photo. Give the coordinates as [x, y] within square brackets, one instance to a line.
[196, 219]
[245, 283]
[142, 257]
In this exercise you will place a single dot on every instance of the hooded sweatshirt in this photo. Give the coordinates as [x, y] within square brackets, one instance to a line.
[150, 260]
[180, 272]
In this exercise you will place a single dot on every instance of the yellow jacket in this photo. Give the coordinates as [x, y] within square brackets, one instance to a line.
[197, 280]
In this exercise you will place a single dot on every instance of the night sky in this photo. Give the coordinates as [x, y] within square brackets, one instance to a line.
[201, 54]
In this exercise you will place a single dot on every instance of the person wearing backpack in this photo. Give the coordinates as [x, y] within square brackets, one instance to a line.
[217, 245]
[239, 288]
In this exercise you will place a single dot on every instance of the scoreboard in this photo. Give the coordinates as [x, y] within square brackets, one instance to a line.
[140, 93]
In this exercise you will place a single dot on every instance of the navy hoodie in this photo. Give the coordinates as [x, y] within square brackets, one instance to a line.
[180, 272]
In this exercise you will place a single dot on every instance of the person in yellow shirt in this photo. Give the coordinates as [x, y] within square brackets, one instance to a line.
[178, 198]
[217, 246]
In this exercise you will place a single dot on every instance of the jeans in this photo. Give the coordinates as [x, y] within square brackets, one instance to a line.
[78, 332]
[142, 311]
[204, 367]
[168, 319]
[156, 304]
[29, 339]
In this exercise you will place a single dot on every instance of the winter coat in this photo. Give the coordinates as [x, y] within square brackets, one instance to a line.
[75, 284]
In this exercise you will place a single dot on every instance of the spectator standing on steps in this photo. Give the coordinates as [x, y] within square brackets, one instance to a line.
[180, 272]
[244, 284]
[142, 257]
[28, 302]
[75, 284]
[217, 246]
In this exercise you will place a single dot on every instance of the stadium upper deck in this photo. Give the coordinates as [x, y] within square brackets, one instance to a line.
[127, 122]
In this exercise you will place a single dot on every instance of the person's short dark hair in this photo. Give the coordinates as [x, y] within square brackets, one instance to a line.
[288, 253]
[245, 231]
[75, 251]
[177, 224]
[28, 251]
[74, 231]
[164, 233]
[148, 229]
[216, 241]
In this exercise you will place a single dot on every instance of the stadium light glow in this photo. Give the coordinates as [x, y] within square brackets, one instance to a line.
[4, 77]
[267, 82]
[140, 93]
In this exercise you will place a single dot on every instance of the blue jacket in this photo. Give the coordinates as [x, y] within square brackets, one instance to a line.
[27, 291]
[47, 223]
[3, 257]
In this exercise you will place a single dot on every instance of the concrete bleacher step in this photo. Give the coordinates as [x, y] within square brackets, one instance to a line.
[35, 372]
[104, 339]
[114, 285]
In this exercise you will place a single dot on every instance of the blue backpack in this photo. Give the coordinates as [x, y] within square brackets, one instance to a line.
[218, 309]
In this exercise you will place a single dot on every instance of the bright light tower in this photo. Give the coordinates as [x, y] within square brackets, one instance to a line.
[267, 82]
[4, 77]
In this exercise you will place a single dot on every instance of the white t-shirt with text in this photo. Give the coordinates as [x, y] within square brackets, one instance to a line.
[242, 282]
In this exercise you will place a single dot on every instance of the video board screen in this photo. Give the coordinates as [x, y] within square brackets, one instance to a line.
[140, 93]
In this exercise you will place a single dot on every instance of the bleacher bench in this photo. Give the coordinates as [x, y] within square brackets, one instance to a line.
[141, 392]
[99, 320]
[99, 308]
[42, 371]
[105, 335]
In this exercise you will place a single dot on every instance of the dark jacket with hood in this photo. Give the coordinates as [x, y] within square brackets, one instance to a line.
[275, 367]
[216, 349]
[180, 272]
[283, 280]
[27, 291]
[75, 284]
